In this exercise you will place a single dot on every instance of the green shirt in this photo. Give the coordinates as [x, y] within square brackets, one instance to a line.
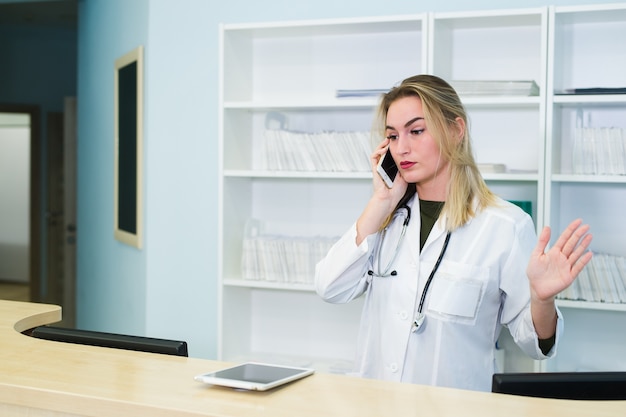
[429, 213]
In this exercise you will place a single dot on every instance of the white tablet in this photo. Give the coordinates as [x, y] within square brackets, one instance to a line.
[254, 376]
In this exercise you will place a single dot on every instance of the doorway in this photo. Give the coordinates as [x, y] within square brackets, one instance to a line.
[49, 278]
[34, 35]
[19, 233]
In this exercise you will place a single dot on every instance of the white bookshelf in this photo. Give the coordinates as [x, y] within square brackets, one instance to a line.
[293, 70]
[585, 50]
[477, 46]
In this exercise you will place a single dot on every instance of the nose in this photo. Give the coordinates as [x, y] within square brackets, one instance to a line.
[402, 146]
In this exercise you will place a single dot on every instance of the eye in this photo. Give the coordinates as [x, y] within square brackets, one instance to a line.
[417, 131]
[392, 136]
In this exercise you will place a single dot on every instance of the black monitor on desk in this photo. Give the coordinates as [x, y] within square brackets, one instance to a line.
[112, 340]
[564, 385]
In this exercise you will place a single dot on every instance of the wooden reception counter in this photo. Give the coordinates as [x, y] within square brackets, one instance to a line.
[52, 379]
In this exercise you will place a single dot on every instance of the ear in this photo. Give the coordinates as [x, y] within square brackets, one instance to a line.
[460, 128]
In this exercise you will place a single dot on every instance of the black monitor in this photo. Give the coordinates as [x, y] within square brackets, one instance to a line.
[564, 385]
[112, 340]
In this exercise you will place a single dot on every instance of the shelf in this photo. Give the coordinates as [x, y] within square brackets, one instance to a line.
[584, 99]
[589, 305]
[269, 285]
[372, 102]
[319, 104]
[589, 14]
[514, 177]
[298, 174]
[329, 27]
[490, 18]
[602, 179]
[506, 101]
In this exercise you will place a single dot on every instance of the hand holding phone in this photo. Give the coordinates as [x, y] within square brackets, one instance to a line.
[387, 169]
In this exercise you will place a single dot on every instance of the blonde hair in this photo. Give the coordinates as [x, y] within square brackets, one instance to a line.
[442, 106]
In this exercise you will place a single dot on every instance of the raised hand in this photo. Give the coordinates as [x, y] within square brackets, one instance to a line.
[553, 271]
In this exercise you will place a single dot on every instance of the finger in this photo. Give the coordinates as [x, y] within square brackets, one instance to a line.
[379, 151]
[580, 249]
[382, 146]
[581, 263]
[566, 234]
[542, 242]
[575, 240]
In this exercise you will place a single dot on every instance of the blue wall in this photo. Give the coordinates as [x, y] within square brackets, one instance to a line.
[111, 277]
[168, 289]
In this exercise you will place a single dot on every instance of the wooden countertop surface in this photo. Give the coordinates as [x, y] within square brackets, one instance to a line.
[45, 378]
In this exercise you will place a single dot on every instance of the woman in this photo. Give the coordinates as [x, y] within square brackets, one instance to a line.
[476, 248]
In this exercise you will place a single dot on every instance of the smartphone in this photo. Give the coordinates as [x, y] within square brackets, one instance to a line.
[387, 169]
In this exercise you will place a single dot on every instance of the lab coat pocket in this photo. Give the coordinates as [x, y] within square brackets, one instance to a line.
[457, 296]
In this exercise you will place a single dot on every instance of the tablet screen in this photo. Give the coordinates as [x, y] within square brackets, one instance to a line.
[254, 376]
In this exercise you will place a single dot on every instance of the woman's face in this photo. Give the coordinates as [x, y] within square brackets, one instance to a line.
[414, 149]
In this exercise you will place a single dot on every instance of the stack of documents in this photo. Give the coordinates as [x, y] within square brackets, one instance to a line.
[283, 259]
[593, 90]
[599, 151]
[327, 151]
[602, 280]
[486, 168]
[360, 93]
[495, 88]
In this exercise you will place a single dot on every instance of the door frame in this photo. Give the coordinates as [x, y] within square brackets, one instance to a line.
[34, 251]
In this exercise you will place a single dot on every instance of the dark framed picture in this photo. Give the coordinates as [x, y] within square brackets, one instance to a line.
[129, 148]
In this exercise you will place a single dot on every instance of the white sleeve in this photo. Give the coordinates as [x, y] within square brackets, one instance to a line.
[342, 275]
[527, 339]
[516, 314]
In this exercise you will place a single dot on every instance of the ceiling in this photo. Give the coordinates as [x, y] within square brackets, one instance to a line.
[57, 13]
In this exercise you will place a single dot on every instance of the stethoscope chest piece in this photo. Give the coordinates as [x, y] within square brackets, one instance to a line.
[418, 322]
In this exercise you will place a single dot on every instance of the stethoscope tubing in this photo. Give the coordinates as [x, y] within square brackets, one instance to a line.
[432, 273]
[386, 273]
[419, 316]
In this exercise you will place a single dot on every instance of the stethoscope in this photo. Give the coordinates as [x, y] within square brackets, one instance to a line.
[419, 316]
[405, 224]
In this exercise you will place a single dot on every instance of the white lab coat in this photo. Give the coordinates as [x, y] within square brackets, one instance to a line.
[480, 286]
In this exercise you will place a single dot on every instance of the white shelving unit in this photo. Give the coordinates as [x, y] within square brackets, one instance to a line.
[506, 129]
[291, 71]
[586, 50]
[477, 46]
[288, 73]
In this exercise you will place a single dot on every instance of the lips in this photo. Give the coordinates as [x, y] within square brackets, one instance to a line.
[406, 164]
